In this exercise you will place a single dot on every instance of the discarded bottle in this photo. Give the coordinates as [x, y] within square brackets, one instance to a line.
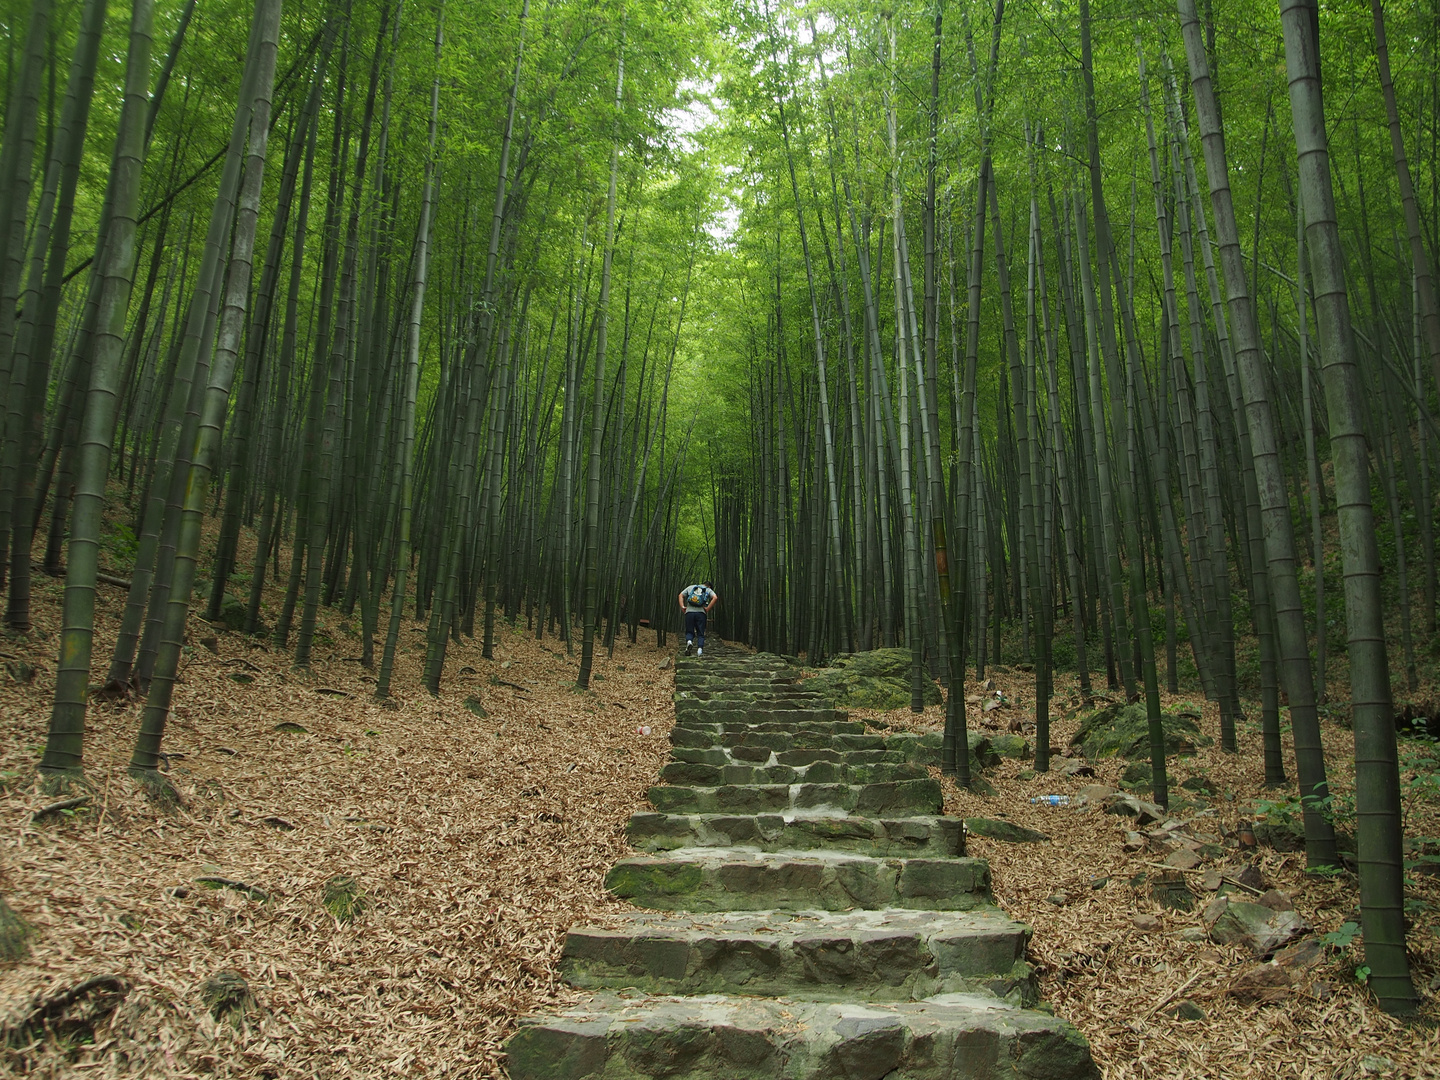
[643, 729]
[1052, 800]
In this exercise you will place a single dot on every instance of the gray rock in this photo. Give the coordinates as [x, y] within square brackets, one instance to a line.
[1143, 812]
[1258, 928]
[1008, 831]
[1187, 1010]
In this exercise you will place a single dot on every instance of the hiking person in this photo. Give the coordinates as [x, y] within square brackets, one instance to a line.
[696, 601]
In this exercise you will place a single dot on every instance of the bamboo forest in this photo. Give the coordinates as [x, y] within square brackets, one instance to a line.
[720, 539]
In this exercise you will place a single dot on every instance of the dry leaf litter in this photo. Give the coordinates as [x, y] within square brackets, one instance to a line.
[473, 843]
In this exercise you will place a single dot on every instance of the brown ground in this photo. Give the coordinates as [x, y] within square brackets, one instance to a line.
[1116, 983]
[478, 841]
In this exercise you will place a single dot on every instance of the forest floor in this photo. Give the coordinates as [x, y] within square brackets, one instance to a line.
[475, 842]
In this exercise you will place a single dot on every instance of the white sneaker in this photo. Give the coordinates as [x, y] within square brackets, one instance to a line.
[688, 646]
[699, 652]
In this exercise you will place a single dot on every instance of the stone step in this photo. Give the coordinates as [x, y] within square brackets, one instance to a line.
[777, 739]
[903, 798]
[791, 725]
[857, 955]
[740, 879]
[732, 712]
[951, 1037]
[763, 755]
[710, 686]
[926, 837]
[820, 772]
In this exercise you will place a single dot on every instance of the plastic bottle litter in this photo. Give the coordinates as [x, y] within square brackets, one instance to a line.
[644, 729]
[1052, 800]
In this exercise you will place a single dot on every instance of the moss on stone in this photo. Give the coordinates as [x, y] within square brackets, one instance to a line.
[879, 679]
[1124, 731]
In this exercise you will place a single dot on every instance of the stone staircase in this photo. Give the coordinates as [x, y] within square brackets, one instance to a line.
[812, 914]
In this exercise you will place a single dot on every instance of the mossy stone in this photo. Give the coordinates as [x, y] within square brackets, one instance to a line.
[15, 934]
[879, 679]
[1124, 731]
[654, 877]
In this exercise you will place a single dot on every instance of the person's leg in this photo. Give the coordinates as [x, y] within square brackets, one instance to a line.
[691, 622]
[700, 621]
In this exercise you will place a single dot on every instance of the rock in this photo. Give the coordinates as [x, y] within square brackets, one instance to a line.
[1134, 841]
[1137, 773]
[1282, 835]
[15, 934]
[1261, 930]
[1067, 766]
[1201, 785]
[1099, 882]
[992, 705]
[1211, 880]
[1025, 774]
[476, 706]
[1194, 934]
[879, 679]
[1168, 889]
[1059, 899]
[1276, 900]
[1182, 859]
[1007, 831]
[291, 728]
[1097, 792]
[1374, 1064]
[227, 995]
[1148, 924]
[1186, 1010]
[1250, 877]
[1025, 666]
[667, 663]
[1305, 954]
[1128, 806]
[988, 685]
[1116, 731]
[1262, 982]
[232, 614]
[211, 642]
[1010, 746]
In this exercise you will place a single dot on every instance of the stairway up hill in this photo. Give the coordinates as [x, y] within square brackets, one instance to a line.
[813, 915]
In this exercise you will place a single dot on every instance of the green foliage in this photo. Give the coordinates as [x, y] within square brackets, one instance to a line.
[1344, 937]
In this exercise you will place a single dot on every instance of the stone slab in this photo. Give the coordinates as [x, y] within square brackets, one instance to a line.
[930, 837]
[698, 774]
[902, 798]
[740, 879]
[859, 955]
[951, 1037]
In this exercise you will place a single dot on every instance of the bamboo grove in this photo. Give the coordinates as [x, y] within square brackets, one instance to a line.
[1039, 361]
[1100, 338]
[408, 323]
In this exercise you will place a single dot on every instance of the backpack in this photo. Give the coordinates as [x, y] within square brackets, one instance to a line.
[697, 595]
